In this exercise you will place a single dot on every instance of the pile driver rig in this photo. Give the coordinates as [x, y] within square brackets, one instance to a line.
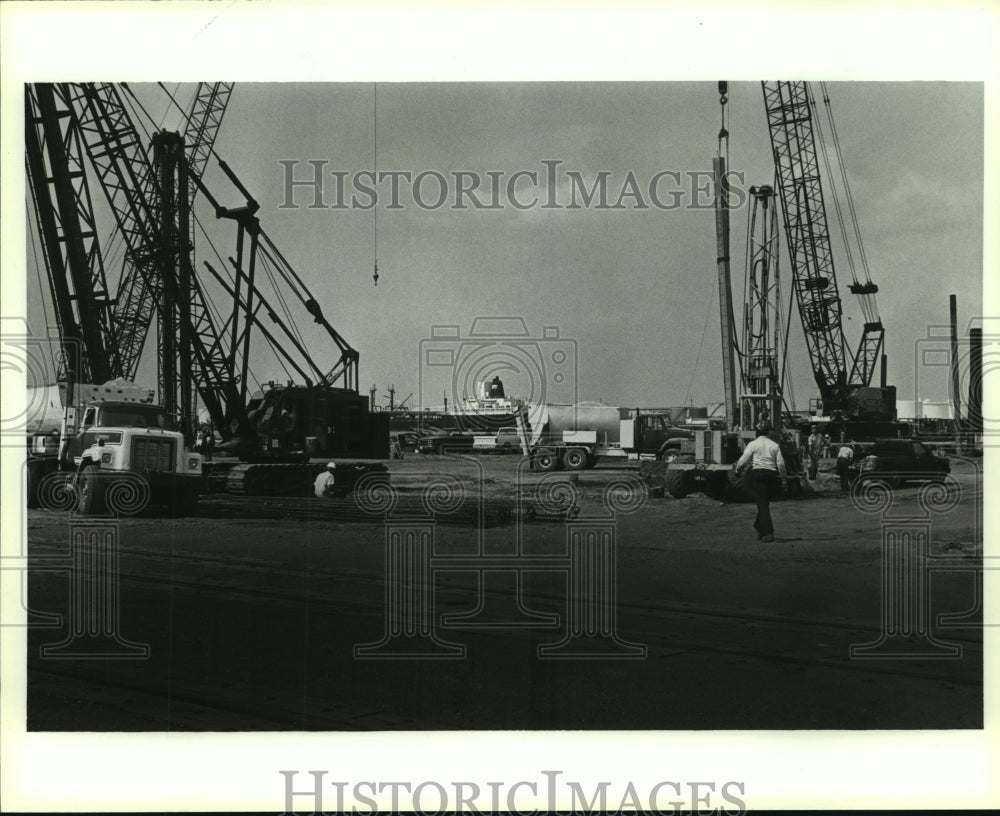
[80, 135]
[849, 404]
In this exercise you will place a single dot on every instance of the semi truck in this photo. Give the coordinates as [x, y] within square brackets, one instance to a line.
[104, 438]
[688, 450]
[577, 437]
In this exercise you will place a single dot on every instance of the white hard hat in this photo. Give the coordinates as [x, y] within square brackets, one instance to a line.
[331, 465]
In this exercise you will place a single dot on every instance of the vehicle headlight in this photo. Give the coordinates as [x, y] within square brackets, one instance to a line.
[106, 458]
[869, 463]
[194, 463]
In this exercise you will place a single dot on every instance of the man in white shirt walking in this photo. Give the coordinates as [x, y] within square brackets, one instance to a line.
[763, 455]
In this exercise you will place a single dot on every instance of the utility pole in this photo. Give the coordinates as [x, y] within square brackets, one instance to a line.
[956, 399]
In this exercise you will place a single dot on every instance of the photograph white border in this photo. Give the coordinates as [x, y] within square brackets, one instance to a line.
[281, 41]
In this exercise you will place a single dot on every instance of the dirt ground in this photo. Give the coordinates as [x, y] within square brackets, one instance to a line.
[268, 614]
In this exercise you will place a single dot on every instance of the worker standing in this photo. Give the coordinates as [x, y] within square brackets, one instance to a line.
[814, 447]
[763, 456]
[206, 439]
[288, 429]
[326, 482]
[845, 457]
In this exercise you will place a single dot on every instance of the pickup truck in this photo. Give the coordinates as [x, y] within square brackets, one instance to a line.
[896, 461]
[454, 441]
[508, 440]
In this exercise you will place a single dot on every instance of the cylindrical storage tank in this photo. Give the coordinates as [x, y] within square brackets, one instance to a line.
[43, 409]
[585, 417]
[936, 409]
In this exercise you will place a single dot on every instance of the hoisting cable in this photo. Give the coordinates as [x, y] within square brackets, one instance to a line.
[375, 179]
[225, 270]
[279, 264]
[187, 117]
[834, 196]
[847, 185]
[784, 381]
[134, 104]
[868, 302]
[167, 108]
[268, 267]
[864, 297]
[701, 344]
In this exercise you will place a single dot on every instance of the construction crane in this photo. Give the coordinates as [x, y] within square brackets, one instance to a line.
[844, 380]
[150, 195]
[150, 202]
[64, 212]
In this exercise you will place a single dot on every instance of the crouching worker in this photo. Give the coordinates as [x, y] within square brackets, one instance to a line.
[326, 482]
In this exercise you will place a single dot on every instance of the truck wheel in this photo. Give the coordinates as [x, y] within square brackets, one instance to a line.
[546, 460]
[91, 494]
[575, 459]
[677, 483]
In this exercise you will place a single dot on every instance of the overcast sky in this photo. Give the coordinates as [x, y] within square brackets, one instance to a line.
[631, 291]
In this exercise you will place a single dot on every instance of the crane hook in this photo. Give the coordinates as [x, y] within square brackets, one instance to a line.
[375, 276]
